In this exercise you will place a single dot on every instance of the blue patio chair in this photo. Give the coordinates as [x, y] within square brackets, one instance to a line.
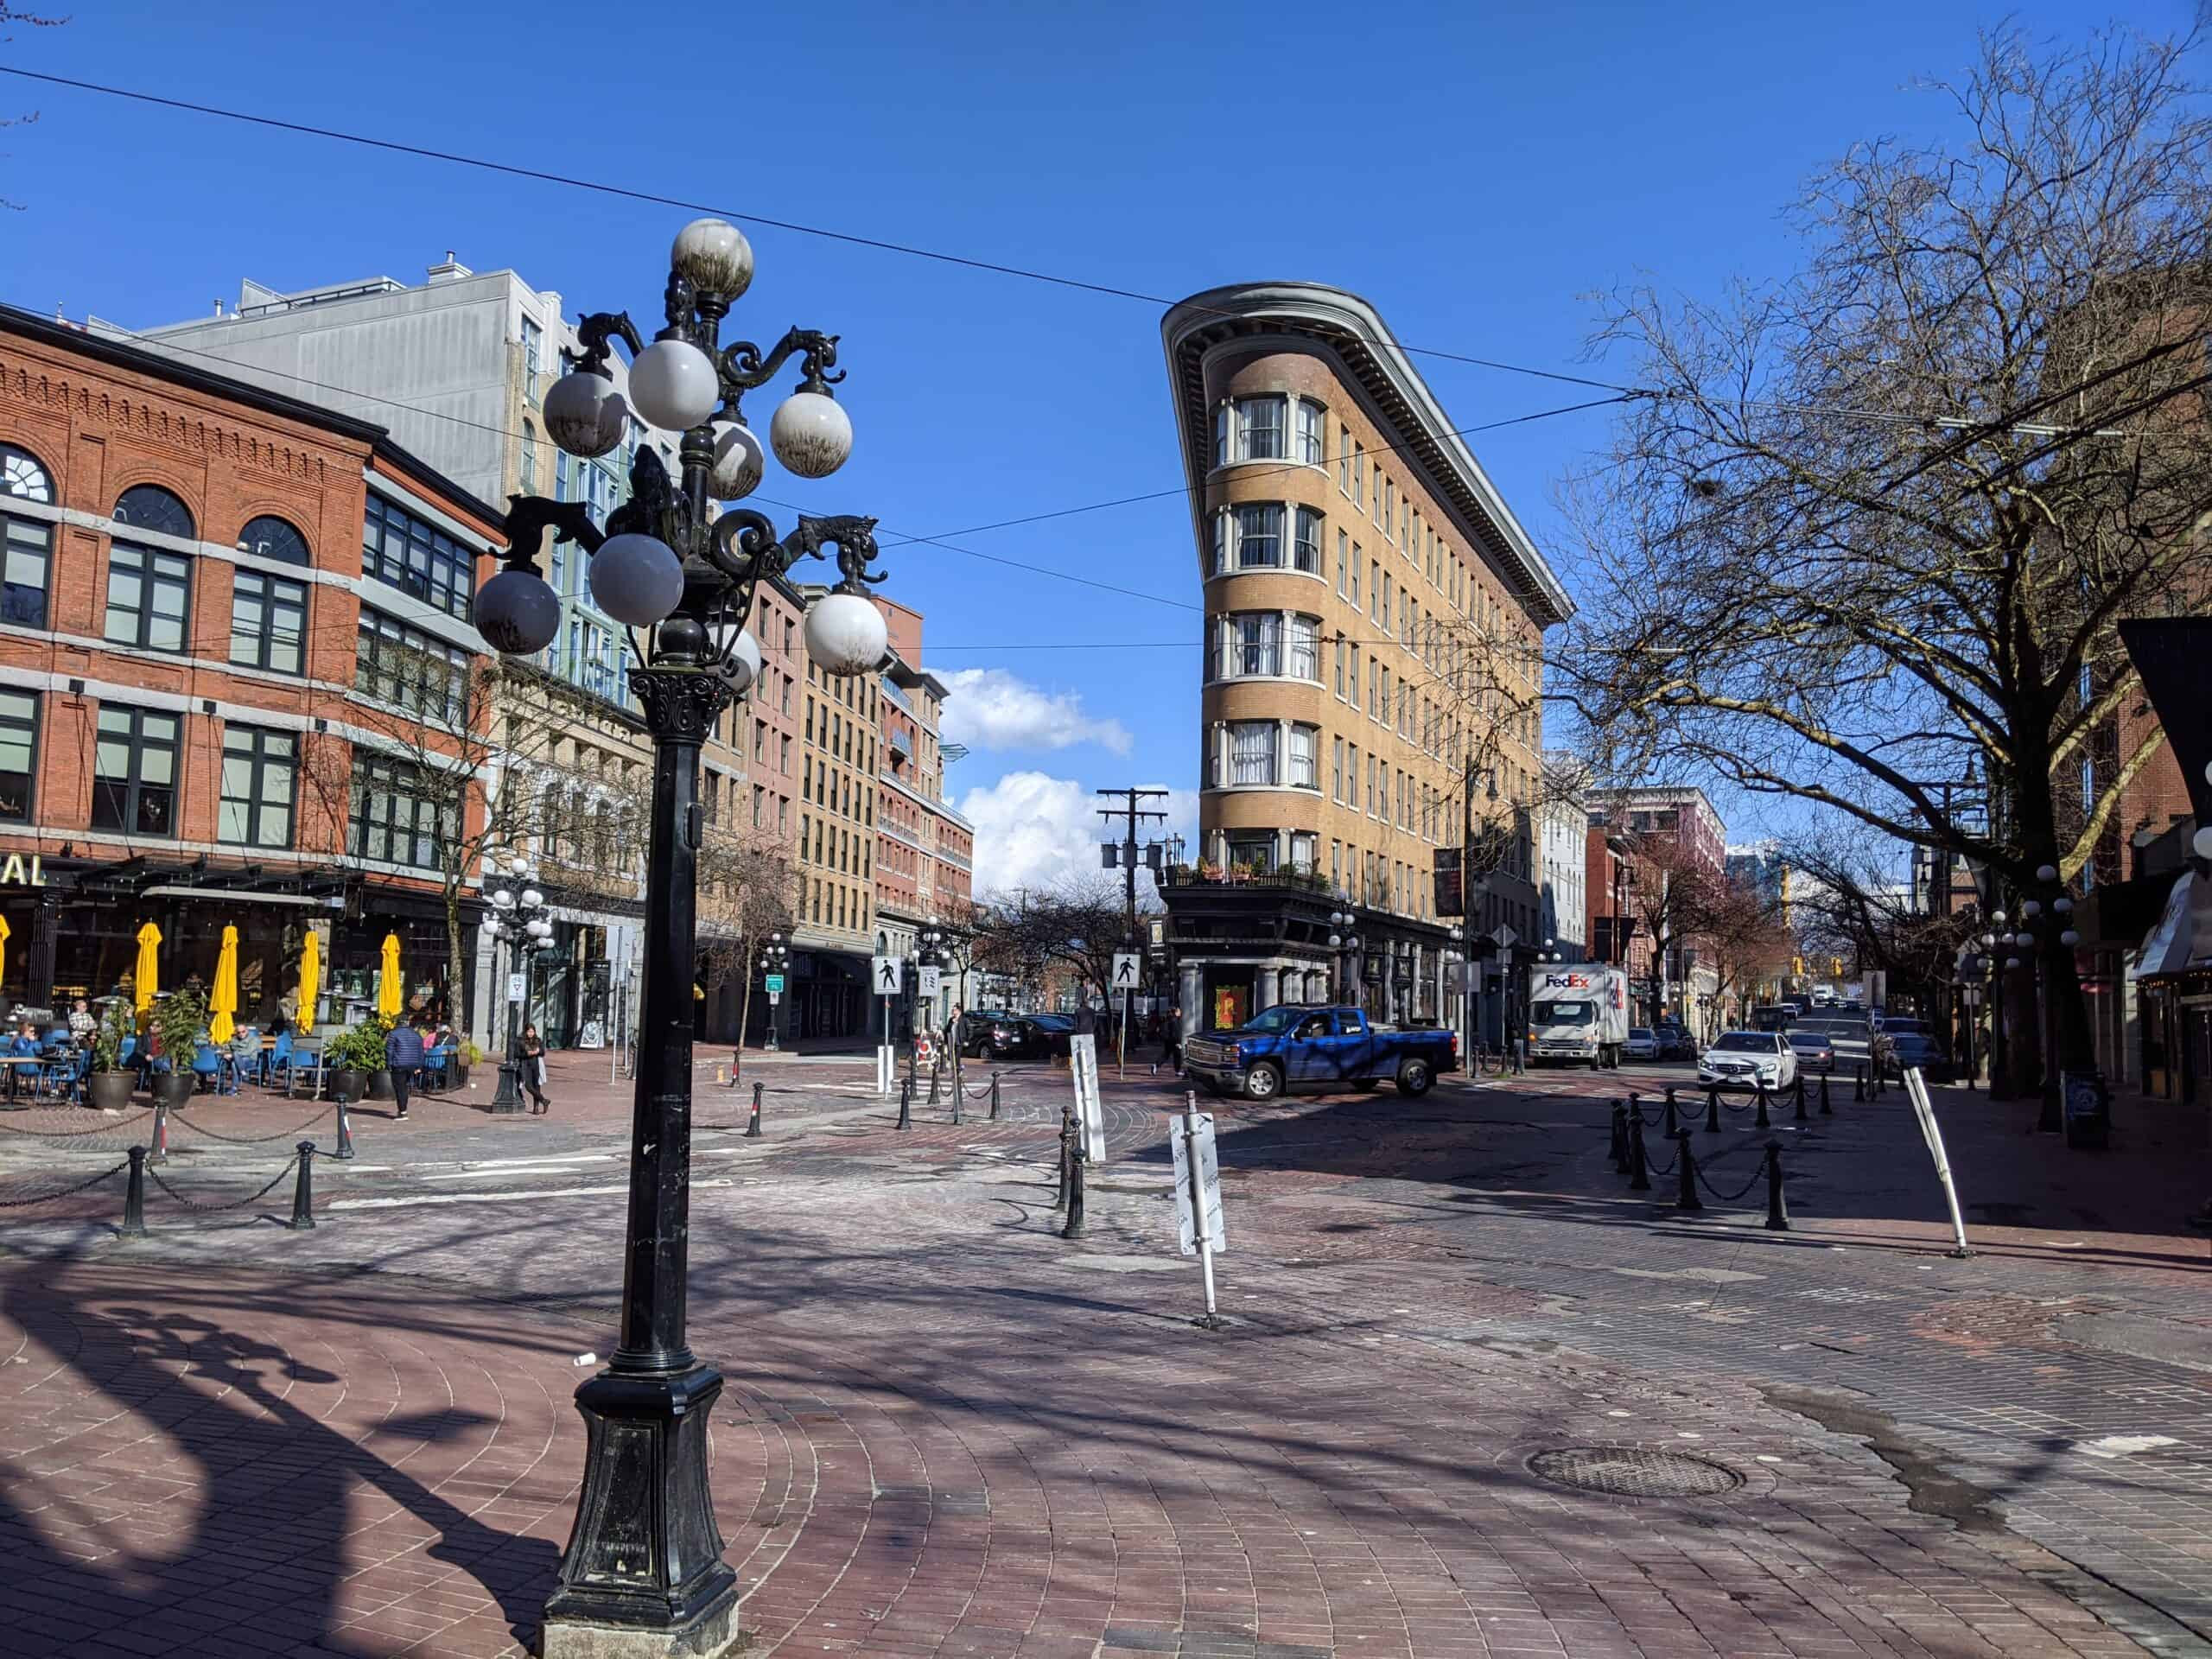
[277, 1062]
[437, 1068]
[207, 1066]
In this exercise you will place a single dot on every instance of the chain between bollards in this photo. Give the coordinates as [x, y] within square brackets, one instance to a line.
[134, 1197]
[1778, 1213]
[1686, 1198]
[1639, 1180]
[906, 1104]
[345, 1131]
[303, 1190]
[994, 1096]
[753, 1123]
[1712, 1109]
[1076, 1160]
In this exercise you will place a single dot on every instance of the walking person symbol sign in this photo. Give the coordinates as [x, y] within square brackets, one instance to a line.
[1125, 981]
[885, 978]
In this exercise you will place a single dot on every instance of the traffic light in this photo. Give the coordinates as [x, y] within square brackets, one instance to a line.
[1835, 967]
[1797, 967]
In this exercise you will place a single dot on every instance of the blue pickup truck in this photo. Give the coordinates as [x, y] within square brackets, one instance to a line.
[1300, 1046]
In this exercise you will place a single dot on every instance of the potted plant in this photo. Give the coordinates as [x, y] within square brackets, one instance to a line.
[379, 1074]
[465, 1054]
[353, 1055]
[112, 1076]
[176, 1021]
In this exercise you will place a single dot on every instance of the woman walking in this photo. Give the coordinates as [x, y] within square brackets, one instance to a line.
[533, 1069]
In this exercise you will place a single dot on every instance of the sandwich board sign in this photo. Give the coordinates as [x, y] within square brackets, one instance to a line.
[1089, 1110]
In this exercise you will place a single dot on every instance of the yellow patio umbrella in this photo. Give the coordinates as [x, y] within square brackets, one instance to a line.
[3, 947]
[389, 999]
[223, 1000]
[146, 982]
[310, 978]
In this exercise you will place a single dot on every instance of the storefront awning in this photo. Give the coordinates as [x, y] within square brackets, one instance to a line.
[248, 896]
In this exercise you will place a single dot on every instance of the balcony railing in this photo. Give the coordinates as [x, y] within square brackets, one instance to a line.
[1244, 875]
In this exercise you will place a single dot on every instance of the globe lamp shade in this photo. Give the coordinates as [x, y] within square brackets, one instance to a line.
[811, 433]
[845, 634]
[2011, 962]
[673, 385]
[518, 612]
[743, 665]
[2063, 906]
[501, 899]
[2069, 938]
[2030, 907]
[584, 414]
[714, 257]
[739, 461]
[2201, 843]
[2046, 872]
[532, 898]
[636, 579]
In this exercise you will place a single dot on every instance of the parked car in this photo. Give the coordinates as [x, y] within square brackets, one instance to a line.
[1914, 1048]
[1744, 1059]
[974, 1033]
[1676, 1042]
[1811, 1045]
[1299, 1045]
[1851, 1035]
[1027, 1037]
[1643, 1044]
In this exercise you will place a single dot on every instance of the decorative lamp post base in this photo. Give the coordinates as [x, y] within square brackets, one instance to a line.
[509, 1097]
[644, 1576]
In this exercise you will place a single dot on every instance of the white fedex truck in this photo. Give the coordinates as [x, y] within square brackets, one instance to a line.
[1578, 1014]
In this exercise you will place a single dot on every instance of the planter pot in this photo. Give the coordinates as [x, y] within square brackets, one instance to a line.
[461, 1074]
[379, 1085]
[110, 1091]
[348, 1085]
[174, 1088]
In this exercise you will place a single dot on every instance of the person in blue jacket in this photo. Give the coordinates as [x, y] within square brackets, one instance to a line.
[402, 1053]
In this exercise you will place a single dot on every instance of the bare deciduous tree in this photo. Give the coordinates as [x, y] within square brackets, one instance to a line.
[748, 888]
[1878, 520]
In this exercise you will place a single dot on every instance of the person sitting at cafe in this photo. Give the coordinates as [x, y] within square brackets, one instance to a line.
[81, 1023]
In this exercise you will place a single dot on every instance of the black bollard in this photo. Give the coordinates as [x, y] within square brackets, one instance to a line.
[933, 1078]
[344, 1133]
[134, 1197]
[1673, 1126]
[1635, 1106]
[1877, 1082]
[1826, 1110]
[1801, 1097]
[1859, 1083]
[1618, 1151]
[1762, 1122]
[994, 1096]
[1712, 1109]
[1060, 1196]
[906, 1104]
[1686, 1198]
[161, 1151]
[956, 1100]
[753, 1123]
[1639, 1177]
[1778, 1213]
[1074, 1227]
[303, 1190]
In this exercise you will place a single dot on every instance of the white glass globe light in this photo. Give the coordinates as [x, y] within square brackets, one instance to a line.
[673, 385]
[1335, 941]
[1997, 916]
[2063, 906]
[503, 899]
[714, 257]
[2201, 843]
[739, 461]
[518, 612]
[2069, 938]
[743, 664]
[541, 929]
[2030, 907]
[2046, 872]
[811, 433]
[845, 634]
[532, 898]
[584, 414]
[2011, 962]
[636, 579]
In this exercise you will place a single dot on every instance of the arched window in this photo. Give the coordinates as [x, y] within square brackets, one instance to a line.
[271, 537]
[26, 543]
[22, 475]
[148, 507]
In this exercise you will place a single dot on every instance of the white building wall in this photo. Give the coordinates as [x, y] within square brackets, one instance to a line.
[1562, 848]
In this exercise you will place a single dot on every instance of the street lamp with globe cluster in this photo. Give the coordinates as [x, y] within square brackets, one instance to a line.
[775, 958]
[522, 921]
[643, 1571]
[1346, 944]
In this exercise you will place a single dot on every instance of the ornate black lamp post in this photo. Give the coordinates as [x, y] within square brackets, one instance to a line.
[518, 918]
[642, 1574]
[775, 958]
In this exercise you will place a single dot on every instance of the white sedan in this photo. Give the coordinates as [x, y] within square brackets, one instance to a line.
[1744, 1059]
[1642, 1044]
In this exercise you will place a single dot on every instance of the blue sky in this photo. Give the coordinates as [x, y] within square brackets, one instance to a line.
[1478, 171]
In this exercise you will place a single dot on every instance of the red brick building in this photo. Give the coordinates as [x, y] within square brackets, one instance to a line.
[214, 597]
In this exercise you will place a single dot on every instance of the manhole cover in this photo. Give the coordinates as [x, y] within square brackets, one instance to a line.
[1629, 1471]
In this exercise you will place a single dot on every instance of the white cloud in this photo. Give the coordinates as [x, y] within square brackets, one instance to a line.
[1033, 830]
[991, 709]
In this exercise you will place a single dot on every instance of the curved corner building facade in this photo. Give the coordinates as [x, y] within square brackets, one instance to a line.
[1374, 619]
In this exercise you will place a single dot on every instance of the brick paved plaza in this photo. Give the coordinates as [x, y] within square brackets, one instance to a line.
[949, 1432]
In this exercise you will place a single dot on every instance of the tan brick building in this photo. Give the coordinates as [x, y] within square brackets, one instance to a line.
[213, 595]
[1373, 618]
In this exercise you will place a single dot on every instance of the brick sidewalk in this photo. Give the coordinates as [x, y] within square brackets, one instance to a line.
[949, 1432]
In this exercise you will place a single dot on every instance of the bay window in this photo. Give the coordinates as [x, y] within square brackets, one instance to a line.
[1305, 545]
[1252, 752]
[1304, 757]
[1305, 641]
[1313, 432]
[1249, 428]
[1305, 851]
